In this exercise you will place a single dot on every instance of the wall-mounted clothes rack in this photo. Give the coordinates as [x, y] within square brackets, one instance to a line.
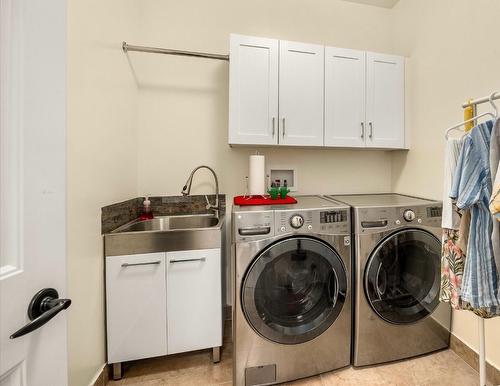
[482, 346]
[168, 51]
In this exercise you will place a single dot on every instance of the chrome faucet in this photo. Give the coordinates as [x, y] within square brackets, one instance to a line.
[186, 190]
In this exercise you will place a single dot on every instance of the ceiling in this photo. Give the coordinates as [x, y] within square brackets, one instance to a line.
[377, 3]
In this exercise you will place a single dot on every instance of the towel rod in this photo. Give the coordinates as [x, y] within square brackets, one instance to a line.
[153, 50]
[481, 100]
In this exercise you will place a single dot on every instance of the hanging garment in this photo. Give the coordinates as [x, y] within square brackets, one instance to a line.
[452, 256]
[495, 196]
[452, 269]
[471, 189]
[494, 161]
[464, 230]
[450, 215]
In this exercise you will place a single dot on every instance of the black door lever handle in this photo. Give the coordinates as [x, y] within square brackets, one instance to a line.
[43, 307]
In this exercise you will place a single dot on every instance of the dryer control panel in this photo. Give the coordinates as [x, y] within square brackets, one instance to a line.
[378, 219]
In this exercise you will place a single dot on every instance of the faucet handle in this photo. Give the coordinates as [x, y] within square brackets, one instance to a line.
[208, 206]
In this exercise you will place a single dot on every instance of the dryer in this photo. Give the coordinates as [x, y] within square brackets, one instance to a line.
[397, 278]
[291, 278]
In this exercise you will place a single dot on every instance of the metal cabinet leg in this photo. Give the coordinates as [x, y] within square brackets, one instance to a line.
[117, 371]
[216, 354]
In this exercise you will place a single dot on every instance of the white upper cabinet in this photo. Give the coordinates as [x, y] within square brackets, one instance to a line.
[345, 80]
[297, 94]
[253, 91]
[301, 93]
[385, 101]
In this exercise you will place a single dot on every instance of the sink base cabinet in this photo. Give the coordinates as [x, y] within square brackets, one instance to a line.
[163, 303]
[193, 300]
[136, 307]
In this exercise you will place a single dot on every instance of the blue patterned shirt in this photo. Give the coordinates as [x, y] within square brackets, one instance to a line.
[471, 189]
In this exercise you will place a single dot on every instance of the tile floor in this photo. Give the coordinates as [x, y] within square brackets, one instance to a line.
[444, 368]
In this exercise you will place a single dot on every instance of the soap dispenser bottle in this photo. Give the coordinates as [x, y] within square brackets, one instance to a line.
[146, 212]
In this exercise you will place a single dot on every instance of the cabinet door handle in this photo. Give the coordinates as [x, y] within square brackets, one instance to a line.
[187, 260]
[362, 130]
[274, 119]
[136, 264]
[283, 119]
[371, 129]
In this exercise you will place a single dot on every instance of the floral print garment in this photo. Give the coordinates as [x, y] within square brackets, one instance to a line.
[452, 270]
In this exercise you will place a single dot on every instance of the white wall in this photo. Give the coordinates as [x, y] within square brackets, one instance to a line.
[453, 50]
[102, 164]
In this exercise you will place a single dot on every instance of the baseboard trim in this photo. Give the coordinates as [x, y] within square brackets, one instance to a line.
[472, 359]
[101, 377]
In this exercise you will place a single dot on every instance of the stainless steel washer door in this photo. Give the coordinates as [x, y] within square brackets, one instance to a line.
[294, 290]
[402, 276]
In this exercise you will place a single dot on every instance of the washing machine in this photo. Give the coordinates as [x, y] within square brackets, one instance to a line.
[291, 279]
[397, 244]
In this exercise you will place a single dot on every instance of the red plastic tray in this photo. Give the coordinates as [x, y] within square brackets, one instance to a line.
[262, 200]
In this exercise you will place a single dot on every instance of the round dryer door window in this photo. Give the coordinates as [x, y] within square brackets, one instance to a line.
[294, 290]
[402, 277]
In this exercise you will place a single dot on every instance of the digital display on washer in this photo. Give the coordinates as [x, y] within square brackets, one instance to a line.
[333, 216]
[434, 211]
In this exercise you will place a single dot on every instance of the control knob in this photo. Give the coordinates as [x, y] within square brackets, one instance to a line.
[409, 215]
[296, 221]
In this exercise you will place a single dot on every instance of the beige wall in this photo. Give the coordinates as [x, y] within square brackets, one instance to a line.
[102, 165]
[138, 123]
[453, 54]
[183, 102]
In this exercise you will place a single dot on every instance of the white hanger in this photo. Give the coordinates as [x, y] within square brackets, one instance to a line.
[493, 115]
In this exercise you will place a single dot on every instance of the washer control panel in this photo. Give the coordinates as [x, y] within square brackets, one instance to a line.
[313, 221]
[253, 225]
[409, 215]
[296, 221]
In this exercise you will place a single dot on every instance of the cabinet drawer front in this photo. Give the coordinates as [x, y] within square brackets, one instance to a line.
[194, 300]
[136, 306]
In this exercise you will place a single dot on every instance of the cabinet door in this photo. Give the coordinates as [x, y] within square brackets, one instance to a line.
[345, 76]
[385, 101]
[194, 300]
[253, 91]
[136, 306]
[301, 94]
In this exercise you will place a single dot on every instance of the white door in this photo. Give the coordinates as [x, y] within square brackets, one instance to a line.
[194, 297]
[32, 191]
[345, 76]
[301, 94]
[385, 100]
[253, 91]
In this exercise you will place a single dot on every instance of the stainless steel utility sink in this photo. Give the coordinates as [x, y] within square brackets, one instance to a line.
[166, 223]
[165, 233]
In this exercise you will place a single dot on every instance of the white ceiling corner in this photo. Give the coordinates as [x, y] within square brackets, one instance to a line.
[376, 3]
